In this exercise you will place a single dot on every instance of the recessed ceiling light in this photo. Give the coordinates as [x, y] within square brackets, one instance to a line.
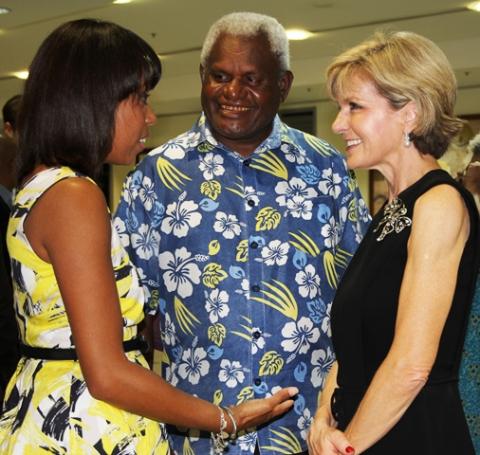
[296, 34]
[5, 10]
[21, 74]
[121, 2]
[475, 6]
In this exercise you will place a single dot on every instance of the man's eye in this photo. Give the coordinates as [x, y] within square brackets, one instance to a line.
[219, 77]
[353, 106]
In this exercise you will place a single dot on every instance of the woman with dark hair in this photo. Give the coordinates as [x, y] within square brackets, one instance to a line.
[400, 312]
[82, 384]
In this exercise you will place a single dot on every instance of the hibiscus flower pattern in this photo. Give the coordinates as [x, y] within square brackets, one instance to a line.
[211, 165]
[231, 253]
[299, 336]
[217, 305]
[227, 225]
[180, 217]
[275, 253]
[193, 365]
[146, 242]
[322, 360]
[309, 282]
[180, 271]
[231, 373]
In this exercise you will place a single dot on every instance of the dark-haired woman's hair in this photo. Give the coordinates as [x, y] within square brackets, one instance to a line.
[79, 75]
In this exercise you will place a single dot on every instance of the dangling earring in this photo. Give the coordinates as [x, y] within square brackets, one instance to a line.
[406, 139]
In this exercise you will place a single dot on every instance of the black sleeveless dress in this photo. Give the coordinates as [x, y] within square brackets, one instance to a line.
[363, 322]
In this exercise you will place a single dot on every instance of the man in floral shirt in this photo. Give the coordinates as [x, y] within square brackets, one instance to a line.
[241, 229]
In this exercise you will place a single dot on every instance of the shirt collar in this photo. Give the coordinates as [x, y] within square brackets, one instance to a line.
[273, 141]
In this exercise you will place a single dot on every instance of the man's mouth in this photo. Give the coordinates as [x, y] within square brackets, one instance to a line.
[226, 107]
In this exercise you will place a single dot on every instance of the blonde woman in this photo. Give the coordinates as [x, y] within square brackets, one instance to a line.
[399, 315]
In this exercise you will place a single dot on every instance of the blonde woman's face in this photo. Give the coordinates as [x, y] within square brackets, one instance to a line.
[372, 129]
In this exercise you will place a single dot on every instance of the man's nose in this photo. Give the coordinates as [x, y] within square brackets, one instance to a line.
[233, 89]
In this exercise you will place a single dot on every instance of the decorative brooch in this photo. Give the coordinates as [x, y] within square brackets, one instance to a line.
[394, 219]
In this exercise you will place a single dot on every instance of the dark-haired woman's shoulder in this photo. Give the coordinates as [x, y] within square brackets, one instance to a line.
[71, 213]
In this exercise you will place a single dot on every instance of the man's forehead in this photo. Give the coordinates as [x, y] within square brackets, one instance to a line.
[254, 50]
[242, 43]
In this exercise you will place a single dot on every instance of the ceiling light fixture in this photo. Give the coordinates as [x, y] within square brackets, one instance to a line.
[296, 34]
[121, 2]
[21, 74]
[475, 6]
[5, 10]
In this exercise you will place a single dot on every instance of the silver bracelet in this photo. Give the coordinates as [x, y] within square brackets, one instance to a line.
[233, 435]
[220, 439]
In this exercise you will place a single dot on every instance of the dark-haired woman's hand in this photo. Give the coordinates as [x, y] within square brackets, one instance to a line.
[255, 412]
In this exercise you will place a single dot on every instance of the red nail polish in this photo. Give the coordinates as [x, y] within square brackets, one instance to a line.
[350, 449]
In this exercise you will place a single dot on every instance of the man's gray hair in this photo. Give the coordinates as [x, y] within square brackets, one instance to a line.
[249, 25]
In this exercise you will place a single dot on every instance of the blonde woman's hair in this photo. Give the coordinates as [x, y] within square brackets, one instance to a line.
[405, 67]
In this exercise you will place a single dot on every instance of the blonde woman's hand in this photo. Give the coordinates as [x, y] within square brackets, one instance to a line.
[324, 439]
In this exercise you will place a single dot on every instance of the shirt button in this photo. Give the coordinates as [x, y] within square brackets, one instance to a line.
[247, 162]
[251, 202]
[256, 288]
[257, 381]
[257, 334]
[254, 245]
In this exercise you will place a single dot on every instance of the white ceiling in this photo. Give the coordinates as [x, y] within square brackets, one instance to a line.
[175, 29]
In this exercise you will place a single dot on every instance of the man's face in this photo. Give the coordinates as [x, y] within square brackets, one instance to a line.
[242, 88]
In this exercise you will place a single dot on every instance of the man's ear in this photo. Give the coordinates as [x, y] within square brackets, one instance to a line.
[285, 84]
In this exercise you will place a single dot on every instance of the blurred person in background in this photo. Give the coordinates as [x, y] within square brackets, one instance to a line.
[8, 327]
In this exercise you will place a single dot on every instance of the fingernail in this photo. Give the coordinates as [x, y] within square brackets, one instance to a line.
[293, 391]
[350, 449]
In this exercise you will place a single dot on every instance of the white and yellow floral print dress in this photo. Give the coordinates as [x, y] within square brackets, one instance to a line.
[48, 408]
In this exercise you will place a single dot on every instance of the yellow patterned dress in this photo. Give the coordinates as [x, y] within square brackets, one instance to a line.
[48, 408]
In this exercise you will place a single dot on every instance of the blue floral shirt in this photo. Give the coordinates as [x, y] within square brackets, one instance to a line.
[241, 257]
